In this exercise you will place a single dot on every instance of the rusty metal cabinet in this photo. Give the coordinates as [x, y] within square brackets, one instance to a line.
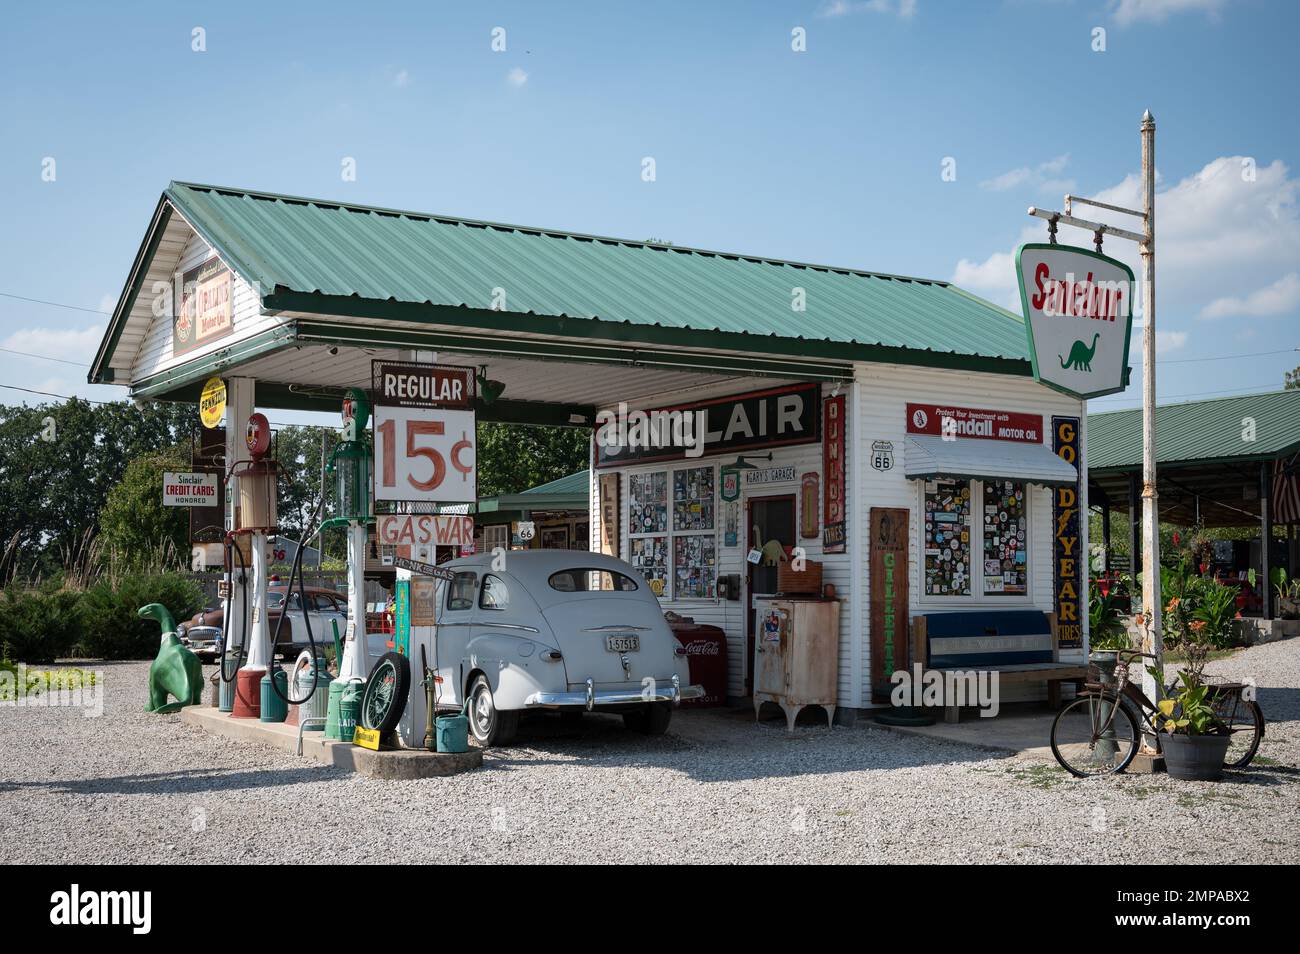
[796, 655]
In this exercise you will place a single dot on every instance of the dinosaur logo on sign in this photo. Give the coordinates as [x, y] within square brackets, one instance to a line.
[1080, 355]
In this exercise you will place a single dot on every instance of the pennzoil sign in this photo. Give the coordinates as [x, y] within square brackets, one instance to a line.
[206, 311]
[1078, 308]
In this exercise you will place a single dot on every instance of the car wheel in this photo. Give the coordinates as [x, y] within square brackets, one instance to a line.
[490, 725]
[384, 700]
[652, 718]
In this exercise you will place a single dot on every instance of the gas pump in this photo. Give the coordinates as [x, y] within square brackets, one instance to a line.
[256, 519]
[349, 468]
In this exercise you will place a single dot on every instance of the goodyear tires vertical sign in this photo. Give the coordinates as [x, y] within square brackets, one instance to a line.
[1068, 562]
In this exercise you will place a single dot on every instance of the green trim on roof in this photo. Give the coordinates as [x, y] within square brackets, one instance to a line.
[332, 258]
[1198, 431]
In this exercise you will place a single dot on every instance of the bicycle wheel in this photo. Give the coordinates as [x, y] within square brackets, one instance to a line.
[1087, 741]
[1246, 721]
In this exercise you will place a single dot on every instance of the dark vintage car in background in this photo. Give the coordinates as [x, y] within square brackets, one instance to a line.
[324, 607]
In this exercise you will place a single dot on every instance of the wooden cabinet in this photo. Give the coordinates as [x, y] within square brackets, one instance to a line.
[796, 655]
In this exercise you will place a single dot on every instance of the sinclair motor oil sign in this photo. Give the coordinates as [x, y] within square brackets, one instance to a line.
[1078, 308]
[206, 307]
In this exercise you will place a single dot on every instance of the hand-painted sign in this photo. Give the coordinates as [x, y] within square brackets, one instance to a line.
[833, 442]
[443, 530]
[189, 490]
[424, 569]
[889, 595]
[760, 419]
[205, 313]
[402, 614]
[1069, 564]
[1078, 308]
[947, 420]
[609, 510]
[769, 475]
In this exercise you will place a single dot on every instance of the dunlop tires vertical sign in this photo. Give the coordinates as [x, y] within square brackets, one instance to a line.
[889, 597]
[1068, 563]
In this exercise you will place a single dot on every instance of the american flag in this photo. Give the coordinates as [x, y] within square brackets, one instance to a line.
[1286, 490]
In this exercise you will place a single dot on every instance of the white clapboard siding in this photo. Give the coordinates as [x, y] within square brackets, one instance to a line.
[729, 615]
[154, 353]
[882, 396]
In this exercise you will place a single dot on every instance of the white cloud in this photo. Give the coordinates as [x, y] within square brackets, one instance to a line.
[1219, 232]
[1166, 341]
[1045, 177]
[1280, 297]
[65, 343]
[1157, 11]
[401, 79]
[516, 77]
[904, 9]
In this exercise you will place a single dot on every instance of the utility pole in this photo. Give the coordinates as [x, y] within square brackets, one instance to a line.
[1152, 604]
[1152, 642]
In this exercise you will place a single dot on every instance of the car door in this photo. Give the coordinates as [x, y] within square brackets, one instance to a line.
[457, 605]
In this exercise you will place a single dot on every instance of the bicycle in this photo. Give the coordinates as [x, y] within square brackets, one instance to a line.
[1096, 733]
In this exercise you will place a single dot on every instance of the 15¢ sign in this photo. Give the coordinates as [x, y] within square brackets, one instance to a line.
[425, 443]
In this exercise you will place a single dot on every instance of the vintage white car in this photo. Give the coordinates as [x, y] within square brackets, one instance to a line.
[555, 629]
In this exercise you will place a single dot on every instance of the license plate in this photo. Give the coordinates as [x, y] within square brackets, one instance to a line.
[623, 644]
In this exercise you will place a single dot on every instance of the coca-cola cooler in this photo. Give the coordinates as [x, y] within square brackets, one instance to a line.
[706, 653]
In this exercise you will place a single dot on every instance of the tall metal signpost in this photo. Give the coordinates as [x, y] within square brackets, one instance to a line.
[1152, 641]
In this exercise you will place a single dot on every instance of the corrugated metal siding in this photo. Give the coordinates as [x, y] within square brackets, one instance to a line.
[1198, 430]
[311, 246]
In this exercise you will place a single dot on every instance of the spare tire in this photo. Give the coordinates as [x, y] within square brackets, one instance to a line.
[385, 697]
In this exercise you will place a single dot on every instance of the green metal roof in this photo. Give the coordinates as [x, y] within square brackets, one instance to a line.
[574, 485]
[330, 257]
[1199, 430]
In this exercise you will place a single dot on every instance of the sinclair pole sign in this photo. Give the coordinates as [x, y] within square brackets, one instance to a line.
[1078, 308]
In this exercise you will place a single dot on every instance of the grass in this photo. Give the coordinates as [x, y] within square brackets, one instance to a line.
[37, 681]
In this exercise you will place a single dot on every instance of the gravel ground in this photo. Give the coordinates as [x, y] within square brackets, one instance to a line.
[132, 787]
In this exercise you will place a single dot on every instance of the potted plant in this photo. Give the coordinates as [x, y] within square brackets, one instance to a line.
[1107, 632]
[1194, 740]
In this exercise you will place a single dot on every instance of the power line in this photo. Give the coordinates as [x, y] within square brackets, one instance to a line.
[45, 357]
[55, 304]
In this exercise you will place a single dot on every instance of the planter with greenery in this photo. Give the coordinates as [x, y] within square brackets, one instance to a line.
[1194, 739]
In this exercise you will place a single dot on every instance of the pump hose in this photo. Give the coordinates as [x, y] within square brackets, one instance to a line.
[296, 571]
[243, 645]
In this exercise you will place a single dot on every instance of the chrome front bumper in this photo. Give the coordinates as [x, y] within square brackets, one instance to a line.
[591, 697]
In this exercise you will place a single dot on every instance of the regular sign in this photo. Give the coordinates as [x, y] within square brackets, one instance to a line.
[1078, 308]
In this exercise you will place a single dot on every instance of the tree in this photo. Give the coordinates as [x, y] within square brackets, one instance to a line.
[133, 523]
[1292, 380]
[514, 457]
[299, 451]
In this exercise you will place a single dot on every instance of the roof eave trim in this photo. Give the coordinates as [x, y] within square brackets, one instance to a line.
[352, 306]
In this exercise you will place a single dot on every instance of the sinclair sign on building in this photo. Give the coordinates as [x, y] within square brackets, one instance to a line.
[1078, 315]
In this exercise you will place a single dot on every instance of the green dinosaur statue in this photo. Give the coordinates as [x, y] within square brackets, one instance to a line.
[1080, 355]
[176, 671]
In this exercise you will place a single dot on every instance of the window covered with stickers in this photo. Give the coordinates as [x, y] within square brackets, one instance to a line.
[947, 537]
[975, 540]
[672, 531]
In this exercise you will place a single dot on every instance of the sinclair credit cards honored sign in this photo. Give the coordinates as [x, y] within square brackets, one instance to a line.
[1078, 308]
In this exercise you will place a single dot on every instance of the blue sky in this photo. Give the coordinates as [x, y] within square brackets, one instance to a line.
[832, 155]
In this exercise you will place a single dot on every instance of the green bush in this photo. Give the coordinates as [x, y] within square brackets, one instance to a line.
[111, 627]
[38, 625]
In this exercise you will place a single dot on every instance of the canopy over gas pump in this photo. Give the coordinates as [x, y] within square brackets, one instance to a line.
[349, 469]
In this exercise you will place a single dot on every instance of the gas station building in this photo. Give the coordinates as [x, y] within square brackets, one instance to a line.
[828, 397]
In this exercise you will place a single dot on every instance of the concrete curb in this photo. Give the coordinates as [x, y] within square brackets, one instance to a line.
[384, 764]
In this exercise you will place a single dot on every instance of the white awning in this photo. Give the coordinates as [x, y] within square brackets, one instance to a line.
[929, 457]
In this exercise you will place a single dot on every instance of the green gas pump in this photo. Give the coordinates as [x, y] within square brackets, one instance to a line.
[349, 470]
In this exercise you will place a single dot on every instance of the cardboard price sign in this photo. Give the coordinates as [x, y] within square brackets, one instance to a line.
[424, 455]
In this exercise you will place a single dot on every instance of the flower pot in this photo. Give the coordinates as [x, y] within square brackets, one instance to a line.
[1195, 758]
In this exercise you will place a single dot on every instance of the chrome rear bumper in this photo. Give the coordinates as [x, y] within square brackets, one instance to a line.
[591, 697]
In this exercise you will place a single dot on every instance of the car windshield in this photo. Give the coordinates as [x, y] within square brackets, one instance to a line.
[582, 580]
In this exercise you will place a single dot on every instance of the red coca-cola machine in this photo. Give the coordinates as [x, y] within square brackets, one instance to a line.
[706, 653]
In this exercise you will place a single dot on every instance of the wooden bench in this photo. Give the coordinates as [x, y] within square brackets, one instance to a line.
[1019, 645]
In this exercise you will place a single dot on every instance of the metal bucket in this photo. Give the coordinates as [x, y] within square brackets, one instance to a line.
[274, 708]
[452, 731]
[314, 674]
[226, 691]
[1195, 758]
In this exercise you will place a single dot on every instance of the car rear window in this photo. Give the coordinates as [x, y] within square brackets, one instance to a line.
[582, 580]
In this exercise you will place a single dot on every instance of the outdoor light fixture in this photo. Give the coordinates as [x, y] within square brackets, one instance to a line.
[742, 464]
[487, 389]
